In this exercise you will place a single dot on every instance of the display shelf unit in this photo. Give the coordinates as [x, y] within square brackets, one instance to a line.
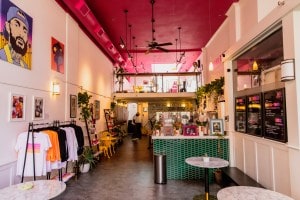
[109, 120]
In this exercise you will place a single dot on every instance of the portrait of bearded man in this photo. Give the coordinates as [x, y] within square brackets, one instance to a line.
[16, 33]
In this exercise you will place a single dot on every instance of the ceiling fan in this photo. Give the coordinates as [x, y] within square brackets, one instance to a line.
[153, 44]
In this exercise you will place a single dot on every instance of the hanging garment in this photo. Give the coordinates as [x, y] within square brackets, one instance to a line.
[41, 145]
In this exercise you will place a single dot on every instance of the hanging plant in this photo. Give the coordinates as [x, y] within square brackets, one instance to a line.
[213, 88]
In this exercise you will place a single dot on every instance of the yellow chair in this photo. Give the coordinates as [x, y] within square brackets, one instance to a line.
[103, 148]
[108, 141]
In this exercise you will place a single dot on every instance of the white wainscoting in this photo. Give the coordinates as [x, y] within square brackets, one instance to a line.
[264, 160]
[8, 175]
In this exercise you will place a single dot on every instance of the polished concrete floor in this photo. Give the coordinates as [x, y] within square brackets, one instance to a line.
[128, 175]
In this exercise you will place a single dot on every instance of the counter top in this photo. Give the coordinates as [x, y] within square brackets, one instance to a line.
[187, 137]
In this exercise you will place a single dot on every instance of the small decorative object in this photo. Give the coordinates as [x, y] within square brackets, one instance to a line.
[38, 108]
[205, 158]
[17, 107]
[216, 127]
[73, 106]
[167, 130]
[190, 130]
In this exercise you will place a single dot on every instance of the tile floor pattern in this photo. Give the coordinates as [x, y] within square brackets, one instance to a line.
[128, 175]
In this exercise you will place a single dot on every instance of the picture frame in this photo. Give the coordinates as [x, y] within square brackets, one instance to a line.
[167, 130]
[190, 130]
[216, 127]
[73, 106]
[38, 108]
[17, 107]
[96, 109]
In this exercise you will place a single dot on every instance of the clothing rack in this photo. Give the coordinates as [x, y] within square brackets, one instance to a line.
[59, 123]
[32, 130]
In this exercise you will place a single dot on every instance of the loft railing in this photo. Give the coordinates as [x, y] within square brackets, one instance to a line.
[157, 82]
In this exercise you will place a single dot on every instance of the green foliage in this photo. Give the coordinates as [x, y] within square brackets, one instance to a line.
[84, 105]
[215, 87]
[87, 157]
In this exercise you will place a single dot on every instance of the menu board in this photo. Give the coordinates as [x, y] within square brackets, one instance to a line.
[254, 116]
[240, 114]
[275, 115]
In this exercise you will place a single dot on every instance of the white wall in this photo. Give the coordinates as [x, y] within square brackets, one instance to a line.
[275, 165]
[85, 66]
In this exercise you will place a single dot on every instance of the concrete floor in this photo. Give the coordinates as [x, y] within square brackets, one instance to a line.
[128, 175]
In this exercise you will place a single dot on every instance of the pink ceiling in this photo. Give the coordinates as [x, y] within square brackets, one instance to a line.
[105, 22]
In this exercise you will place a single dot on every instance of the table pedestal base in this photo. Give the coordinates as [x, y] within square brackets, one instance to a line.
[205, 197]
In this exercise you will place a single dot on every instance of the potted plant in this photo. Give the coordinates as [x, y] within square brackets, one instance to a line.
[85, 110]
[218, 172]
[86, 160]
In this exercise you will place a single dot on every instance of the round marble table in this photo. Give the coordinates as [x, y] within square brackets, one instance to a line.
[33, 190]
[212, 163]
[249, 193]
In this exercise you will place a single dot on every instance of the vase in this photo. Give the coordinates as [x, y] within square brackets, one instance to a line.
[200, 128]
[84, 168]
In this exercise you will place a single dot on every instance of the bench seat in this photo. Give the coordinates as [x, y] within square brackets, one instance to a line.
[237, 177]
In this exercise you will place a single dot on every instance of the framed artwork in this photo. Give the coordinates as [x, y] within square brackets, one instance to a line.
[57, 56]
[73, 106]
[216, 127]
[17, 107]
[167, 130]
[97, 109]
[190, 130]
[255, 80]
[14, 21]
[38, 108]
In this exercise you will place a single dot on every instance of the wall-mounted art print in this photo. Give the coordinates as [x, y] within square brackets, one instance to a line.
[216, 127]
[17, 107]
[97, 109]
[73, 106]
[38, 108]
[57, 56]
[15, 35]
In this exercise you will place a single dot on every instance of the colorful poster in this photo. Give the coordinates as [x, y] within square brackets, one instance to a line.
[57, 56]
[15, 35]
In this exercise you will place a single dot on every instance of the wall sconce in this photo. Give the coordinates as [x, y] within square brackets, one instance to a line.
[55, 88]
[211, 66]
[287, 70]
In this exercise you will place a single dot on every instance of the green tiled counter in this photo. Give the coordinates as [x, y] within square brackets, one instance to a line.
[178, 148]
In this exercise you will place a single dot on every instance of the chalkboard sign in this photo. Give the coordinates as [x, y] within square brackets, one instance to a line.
[275, 115]
[254, 114]
[240, 114]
